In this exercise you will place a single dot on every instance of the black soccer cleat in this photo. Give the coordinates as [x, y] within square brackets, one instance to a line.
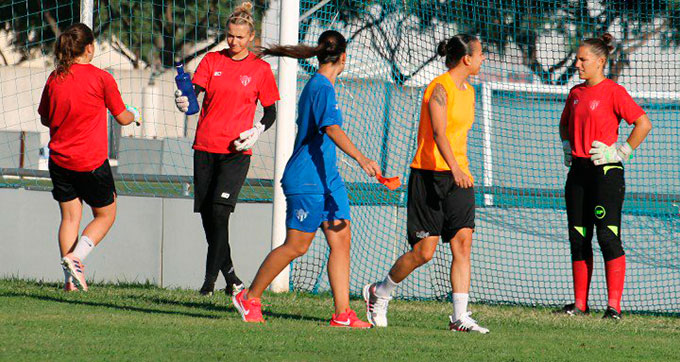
[611, 313]
[571, 310]
[207, 289]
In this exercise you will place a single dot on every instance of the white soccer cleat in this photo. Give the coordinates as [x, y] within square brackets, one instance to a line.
[376, 307]
[235, 289]
[466, 324]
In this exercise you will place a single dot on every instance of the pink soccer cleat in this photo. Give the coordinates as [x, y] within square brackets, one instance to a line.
[75, 267]
[250, 309]
[348, 319]
[70, 287]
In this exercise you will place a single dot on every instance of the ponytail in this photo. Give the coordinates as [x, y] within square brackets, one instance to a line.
[70, 45]
[331, 46]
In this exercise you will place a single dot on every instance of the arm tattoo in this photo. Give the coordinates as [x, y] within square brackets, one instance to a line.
[439, 95]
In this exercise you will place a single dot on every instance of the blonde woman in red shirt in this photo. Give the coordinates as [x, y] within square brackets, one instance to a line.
[234, 80]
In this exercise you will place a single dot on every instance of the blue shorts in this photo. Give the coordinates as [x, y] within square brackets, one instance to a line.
[306, 212]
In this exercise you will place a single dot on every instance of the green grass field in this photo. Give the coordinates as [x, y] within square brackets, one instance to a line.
[135, 322]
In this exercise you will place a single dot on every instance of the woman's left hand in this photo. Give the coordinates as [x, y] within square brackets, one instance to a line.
[248, 138]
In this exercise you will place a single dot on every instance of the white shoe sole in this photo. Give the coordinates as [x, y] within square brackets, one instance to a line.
[238, 307]
[367, 295]
[67, 265]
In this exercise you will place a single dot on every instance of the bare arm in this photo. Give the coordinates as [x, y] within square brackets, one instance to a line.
[124, 118]
[345, 144]
[437, 107]
[640, 131]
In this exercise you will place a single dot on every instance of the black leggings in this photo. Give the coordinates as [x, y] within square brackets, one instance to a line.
[218, 179]
[215, 218]
[594, 197]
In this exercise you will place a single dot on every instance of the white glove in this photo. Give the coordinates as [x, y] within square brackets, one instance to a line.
[182, 102]
[248, 138]
[135, 112]
[602, 154]
[566, 147]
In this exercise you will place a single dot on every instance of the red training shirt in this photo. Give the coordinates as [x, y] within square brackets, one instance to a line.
[232, 89]
[594, 113]
[76, 107]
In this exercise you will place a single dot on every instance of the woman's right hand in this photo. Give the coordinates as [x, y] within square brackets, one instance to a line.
[370, 167]
[182, 102]
[461, 179]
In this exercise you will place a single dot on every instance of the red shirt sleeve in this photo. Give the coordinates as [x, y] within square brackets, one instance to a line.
[44, 107]
[566, 112]
[268, 92]
[625, 107]
[203, 72]
[112, 99]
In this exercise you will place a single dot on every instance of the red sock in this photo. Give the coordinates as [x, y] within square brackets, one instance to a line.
[616, 272]
[582, 271]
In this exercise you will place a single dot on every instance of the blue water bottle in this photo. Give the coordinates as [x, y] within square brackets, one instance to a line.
[183, 81]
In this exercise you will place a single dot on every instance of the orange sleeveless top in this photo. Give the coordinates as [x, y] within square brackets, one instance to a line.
[460, 115]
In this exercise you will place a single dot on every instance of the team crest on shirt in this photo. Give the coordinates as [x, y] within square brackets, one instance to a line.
[575, 101]
[245, 80]
[217, 74]
[301, 214]
[594, 104]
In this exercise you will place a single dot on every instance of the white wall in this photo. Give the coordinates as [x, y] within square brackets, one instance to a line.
[154, 239]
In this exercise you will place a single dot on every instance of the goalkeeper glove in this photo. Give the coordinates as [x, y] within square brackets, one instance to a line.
[566, 147]
[135, 112]
[602, 154]
[182, 102]
[248, 138]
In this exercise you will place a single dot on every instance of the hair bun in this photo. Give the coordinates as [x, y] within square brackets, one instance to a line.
[245, 6]
[441, 48]
[608, 40]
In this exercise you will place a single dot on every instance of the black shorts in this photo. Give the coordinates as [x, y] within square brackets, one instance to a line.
[95, 187]
[437, 206]
[218, 178]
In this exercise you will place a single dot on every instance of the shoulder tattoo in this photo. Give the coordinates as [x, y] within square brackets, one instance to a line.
[439, 95]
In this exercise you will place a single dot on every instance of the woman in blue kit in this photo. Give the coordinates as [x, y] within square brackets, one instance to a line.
[315, 193]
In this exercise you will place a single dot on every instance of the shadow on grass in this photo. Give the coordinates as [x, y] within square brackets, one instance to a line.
[107, 305]
[208, 305]
[294, 317]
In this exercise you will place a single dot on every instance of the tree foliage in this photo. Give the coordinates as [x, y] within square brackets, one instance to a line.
[151, 32]
[525, 24]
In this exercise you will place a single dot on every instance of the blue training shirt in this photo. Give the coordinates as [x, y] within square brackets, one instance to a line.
[312, 168]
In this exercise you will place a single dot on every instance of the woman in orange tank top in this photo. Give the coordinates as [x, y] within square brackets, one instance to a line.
[441, 200]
